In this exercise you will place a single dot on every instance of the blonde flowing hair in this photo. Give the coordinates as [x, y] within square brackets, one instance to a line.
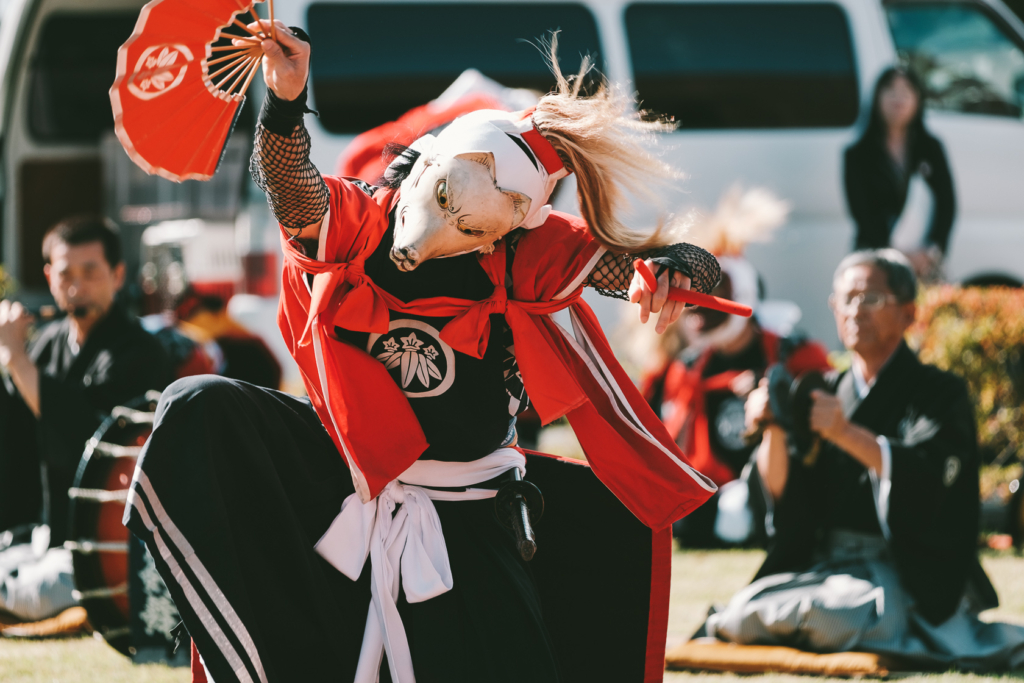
[604, 141]
[743, 216]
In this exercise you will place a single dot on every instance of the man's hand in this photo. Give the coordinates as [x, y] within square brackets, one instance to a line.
[285, 62]
[757, 410]
[827, 418]
[14, 324]
[773, 453]
[657, 301]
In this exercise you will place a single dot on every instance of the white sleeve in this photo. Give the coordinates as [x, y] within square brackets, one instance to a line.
[881, 483]
[582, 276]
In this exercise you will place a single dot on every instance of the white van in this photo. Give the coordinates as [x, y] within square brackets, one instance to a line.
[767, 92]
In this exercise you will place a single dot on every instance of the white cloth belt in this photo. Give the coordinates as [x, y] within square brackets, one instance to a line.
[410, 540]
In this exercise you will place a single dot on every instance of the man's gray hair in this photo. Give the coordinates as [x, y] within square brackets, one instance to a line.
[898, 271]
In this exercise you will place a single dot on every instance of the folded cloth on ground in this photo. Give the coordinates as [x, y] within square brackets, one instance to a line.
[71, 621]
[709, 654]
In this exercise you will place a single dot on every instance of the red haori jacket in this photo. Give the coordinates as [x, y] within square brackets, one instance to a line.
[565, 373]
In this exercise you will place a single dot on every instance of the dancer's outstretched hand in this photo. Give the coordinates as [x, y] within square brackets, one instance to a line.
[285, 61]
[657, 301]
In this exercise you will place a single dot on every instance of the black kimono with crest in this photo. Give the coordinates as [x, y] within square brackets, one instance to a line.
[933, 500]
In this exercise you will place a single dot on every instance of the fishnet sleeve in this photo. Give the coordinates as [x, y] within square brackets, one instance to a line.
[280, 165]
[613, 272]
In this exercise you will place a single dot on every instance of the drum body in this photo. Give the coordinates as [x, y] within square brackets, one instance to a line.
[98, 540]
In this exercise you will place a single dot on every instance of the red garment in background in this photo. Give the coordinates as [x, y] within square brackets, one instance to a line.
[198, 362]
[565, 373]
[685, 388]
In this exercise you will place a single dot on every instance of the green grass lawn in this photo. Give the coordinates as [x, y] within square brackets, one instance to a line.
[698, 580]
[77, 660]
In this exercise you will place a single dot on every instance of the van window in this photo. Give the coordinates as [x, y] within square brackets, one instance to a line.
[744, 65]
[965, 56]
[71, 73]
[371, 63]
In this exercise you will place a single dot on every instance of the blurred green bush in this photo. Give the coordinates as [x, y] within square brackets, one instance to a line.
[978, 333]
[7, 285]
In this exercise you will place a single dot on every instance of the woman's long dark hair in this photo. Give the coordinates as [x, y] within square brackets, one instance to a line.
[875, 133]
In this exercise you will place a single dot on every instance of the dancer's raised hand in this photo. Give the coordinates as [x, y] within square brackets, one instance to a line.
[654, 301]
[285, 61]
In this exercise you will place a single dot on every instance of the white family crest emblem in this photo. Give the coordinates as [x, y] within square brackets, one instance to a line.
[951, 470]
[916, 429]
[412, 351]
[159, 614]
[160, 69]
[730, 423]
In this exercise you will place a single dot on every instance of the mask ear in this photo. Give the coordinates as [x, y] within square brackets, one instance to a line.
[485, 158]
[520, 206]
[423, 144]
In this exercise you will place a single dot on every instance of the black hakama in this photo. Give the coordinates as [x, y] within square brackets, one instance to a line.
[237, 485]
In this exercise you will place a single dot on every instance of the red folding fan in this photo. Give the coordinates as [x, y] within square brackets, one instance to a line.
[181, 82]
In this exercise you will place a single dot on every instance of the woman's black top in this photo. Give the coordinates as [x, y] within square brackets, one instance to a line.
[876, 190]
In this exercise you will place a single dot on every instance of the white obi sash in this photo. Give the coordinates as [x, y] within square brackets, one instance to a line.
[406, 546]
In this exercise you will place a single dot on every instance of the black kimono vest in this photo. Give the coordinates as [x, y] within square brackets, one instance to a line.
[927, 417]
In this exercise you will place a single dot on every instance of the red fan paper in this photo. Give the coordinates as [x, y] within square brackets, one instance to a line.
[181, 83]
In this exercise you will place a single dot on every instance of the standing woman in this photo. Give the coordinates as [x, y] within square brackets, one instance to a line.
[895, 152]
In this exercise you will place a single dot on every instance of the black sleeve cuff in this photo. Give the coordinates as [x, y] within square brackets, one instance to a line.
[282, 117]
[695, 263]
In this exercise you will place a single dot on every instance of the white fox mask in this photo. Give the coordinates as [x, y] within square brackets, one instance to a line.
[471, 185]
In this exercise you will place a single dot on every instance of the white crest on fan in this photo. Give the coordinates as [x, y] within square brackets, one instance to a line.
[154, 73]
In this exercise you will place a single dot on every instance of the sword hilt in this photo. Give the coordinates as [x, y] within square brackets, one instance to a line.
[518, 504]
[526, 541]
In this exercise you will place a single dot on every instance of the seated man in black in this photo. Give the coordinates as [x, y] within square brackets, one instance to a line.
[876, 534]
[63, 381]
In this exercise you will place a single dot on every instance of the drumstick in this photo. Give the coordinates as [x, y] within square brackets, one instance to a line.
[690, 297]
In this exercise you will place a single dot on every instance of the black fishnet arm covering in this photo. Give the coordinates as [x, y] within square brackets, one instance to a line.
[613, 272]
[296, 191]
